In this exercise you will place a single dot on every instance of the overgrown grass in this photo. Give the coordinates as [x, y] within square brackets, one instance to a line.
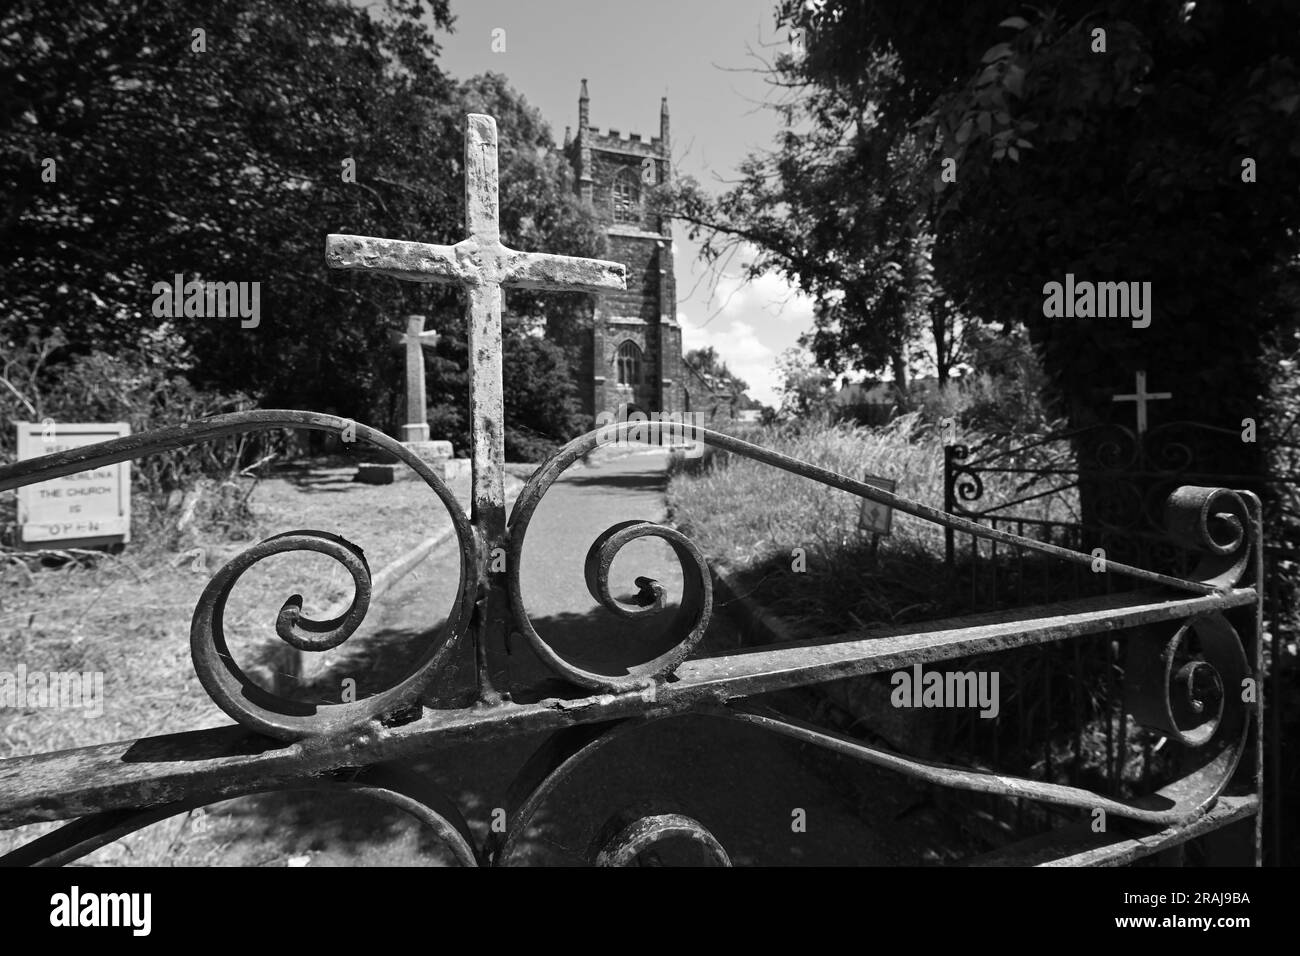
[750, 515]
[795, 548]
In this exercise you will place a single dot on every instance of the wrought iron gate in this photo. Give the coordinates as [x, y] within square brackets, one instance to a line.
[1196, 637]
[1140, 470]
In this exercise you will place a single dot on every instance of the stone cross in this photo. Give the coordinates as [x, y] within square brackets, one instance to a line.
[481, 265]
[416, 341]
[1141, 396]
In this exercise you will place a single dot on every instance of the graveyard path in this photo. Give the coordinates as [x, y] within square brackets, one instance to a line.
[747, 786]
[744, 784]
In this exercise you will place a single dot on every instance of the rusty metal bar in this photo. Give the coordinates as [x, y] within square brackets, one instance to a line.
[116, 788]
[1078, 845]
[145, 772]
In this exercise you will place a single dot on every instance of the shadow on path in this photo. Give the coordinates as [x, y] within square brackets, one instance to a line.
[639, 482]
[760, 794]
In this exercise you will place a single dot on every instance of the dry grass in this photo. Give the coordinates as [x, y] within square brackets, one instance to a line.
[128, 617]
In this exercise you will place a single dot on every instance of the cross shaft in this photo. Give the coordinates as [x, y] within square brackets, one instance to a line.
[415, 340]
[482, 265]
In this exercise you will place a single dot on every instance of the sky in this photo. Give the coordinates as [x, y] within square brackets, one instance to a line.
[632, 53]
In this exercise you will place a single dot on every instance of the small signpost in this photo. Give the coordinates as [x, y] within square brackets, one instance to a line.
[88, 509]
[873, 517]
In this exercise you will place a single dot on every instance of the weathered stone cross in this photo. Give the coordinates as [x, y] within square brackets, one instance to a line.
[482, 265]
[416, 341]
[1142, 396]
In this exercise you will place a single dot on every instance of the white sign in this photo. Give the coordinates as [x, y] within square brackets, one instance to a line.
[874, 516]
[88, 507]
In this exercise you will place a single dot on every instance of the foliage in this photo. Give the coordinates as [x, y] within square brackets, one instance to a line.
[542, 402]
[746, 513]
[1005, 395]
[222, 165]
[805, 389]
[1125, 165]
[142, 387]
[709, 362]
[835, 209]
[227, 165]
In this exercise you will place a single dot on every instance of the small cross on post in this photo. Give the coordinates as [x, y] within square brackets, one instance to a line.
[416, 340]
[482, 265]
[1141, 396]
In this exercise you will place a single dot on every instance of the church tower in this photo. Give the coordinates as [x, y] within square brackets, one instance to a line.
[636, 347]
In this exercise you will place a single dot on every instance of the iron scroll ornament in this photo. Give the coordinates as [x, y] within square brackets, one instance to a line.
[691, 620]
[688, 624]
[229, 687]
[964, 484]
[626, 834]
[1213, 520]
[1140, 470]
[157, 774]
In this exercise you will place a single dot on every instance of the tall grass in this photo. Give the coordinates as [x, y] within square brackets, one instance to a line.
[794, 547]
[752, 516]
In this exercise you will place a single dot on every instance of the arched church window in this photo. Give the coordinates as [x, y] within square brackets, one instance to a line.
[627, 197]
[629, 364]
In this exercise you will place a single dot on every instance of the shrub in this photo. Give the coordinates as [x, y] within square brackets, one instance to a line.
[143, 385]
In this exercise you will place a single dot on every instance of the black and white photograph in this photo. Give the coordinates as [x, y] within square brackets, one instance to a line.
[754, 434]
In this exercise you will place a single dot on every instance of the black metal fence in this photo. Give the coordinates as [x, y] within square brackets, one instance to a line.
[1033, 489]
[1191, 642]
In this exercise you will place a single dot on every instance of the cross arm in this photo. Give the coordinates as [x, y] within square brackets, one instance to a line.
[427, 339]
[413, 261]
[539, 270]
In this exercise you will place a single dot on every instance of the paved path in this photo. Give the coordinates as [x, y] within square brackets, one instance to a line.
[749, 787]
[744, 784]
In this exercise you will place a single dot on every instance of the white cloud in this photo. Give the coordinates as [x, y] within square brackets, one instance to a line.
[749, 324]
[738, 345]
[769, 294]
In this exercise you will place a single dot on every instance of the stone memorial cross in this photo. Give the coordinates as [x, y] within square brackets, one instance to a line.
[416, 340]
[482, 265]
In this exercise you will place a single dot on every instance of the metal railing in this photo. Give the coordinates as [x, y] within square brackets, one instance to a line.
[1195, 645]
[1015, 489]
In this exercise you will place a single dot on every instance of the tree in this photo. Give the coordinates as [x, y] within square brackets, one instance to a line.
[709, 362]
[834, 209]
[210, 142]
[1122, 165]
[228, 157]
[1045, 156]
[805, 389]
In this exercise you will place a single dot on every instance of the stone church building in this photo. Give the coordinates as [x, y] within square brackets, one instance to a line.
[633, 356]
